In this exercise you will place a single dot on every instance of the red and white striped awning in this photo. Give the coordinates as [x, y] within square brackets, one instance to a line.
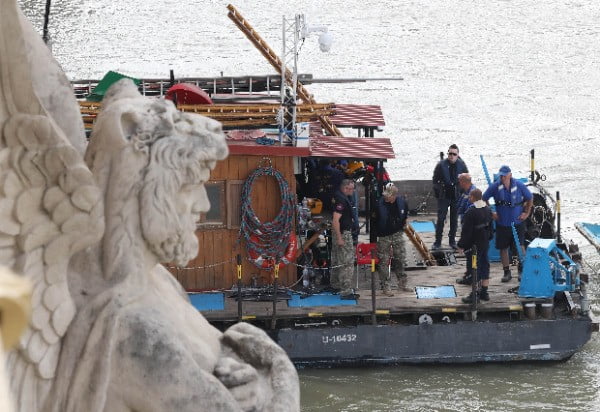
[351, 147]
[357, 115]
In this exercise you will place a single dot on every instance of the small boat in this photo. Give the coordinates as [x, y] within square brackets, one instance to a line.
[591, 231]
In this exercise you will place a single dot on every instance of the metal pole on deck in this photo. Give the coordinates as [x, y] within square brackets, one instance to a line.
[373, 299]
[558, 238]
[239, 286]
[474, 283]
[45, 35]
[171, 78]
[275, 286]
[532, 165]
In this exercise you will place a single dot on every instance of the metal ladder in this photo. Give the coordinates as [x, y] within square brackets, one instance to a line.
[275, 61]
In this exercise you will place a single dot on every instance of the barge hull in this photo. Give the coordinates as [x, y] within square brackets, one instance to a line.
[459, 342]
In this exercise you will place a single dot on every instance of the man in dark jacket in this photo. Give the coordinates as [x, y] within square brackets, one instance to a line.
[392, 211]
[463, 204]
[445, 186]
[477, 231]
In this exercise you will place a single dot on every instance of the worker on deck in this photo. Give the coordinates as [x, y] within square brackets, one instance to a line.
[464, 203]
[513, 205]
[343, 165]
[477, 231]
[392, 212]
[329, 179]
[445, 187]
[342, 250]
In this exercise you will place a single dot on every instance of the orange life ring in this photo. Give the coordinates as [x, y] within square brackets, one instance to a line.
[266, 263]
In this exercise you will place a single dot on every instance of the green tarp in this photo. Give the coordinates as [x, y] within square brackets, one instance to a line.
[103, 85]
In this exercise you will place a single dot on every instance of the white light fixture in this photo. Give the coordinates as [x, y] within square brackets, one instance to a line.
[325, 38]
[325, 41]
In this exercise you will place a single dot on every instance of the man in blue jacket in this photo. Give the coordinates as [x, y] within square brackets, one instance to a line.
[513, 205]
[445, 186]
[392, 211]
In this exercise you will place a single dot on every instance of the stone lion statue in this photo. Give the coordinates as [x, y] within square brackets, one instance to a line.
[111, 329]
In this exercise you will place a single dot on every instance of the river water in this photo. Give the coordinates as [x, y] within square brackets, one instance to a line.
[496, 77]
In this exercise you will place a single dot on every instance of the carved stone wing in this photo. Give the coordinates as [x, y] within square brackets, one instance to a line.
[50, 208]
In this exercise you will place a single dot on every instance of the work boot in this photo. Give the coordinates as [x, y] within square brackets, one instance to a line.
[469, 299]
[349, 296]
[402, 284]
[436, 245]
[465, 280]
[388, 292]
[484, 295]
[507, 276]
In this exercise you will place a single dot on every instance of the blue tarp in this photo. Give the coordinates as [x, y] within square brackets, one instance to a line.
[208, 301]
[318, 299]
[435, 292]
[423, 226]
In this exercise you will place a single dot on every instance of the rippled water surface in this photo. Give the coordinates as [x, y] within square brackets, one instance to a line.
[498, 78]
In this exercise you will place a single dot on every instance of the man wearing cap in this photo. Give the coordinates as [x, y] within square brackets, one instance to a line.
[513, 203]
[392, 211]
[445, 186]
[342, 250]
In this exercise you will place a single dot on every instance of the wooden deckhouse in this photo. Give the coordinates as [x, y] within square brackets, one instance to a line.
[218, 231]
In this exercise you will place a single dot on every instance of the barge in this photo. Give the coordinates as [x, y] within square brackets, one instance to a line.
[290, 298]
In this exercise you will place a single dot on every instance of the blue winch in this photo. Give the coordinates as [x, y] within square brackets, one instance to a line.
[544, 273]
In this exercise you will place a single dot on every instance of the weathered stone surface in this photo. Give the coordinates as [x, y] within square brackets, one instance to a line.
[111, 329]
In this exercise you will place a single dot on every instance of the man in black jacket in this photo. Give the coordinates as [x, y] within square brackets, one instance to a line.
[445, 186]
[342, 249]
[477, 231]
[392, 211]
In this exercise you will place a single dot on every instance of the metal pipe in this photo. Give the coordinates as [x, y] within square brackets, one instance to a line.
[474, 283]
[239, 286]
[45, 36]
[373, 298]
[532, 167]
[558, 239]
[171, 78]
[275, 286]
